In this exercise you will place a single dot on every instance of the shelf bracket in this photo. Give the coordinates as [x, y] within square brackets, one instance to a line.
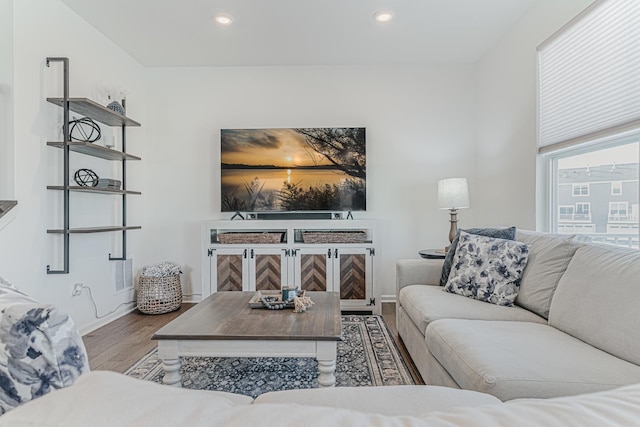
[65, 167]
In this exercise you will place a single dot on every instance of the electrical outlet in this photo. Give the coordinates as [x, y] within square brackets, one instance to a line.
[77, 289]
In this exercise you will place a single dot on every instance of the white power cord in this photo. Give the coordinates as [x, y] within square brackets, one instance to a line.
[95, 307]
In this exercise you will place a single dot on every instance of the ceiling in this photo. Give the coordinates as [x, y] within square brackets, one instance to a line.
[302, 32]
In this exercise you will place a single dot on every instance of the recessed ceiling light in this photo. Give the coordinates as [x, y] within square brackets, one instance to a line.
[223, 19]
[383, 16]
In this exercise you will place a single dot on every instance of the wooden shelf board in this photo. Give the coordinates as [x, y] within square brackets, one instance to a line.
[86, 230]
[95, 111]
[94, 150]
[93, 190]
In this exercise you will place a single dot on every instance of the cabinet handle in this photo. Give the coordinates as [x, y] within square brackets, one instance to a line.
[286, 252]
[328, 253]
[251, 253]
[336, 253]
[244, 254]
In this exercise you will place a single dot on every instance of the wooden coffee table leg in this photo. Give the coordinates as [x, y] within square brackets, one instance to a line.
[326, 363]
[168, 353]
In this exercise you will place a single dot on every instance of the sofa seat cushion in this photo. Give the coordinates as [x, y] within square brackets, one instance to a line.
[597, 300]
[412, 400]
[424, 304]
[513, 360]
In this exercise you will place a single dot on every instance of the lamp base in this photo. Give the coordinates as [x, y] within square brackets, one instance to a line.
[454, 226]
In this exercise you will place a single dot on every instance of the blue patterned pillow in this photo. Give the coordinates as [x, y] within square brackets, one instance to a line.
[488, 269]
[499, 233]
[40, 348]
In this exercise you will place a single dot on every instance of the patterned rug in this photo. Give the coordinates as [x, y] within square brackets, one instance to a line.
[367, 355]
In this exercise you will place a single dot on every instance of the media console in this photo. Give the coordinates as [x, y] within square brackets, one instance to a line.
[314, 255]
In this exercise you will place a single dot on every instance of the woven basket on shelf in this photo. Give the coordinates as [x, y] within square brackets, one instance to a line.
[157, 295]
[334, 236]
[241, 237]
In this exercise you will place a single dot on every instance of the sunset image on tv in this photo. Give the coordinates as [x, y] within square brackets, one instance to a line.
[293, 169]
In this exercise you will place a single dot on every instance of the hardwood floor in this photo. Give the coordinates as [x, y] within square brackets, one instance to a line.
[121, 343]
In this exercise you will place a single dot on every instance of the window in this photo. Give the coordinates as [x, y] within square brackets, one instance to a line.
[565, 213]
[583, 212]
[613, 220]
[616, 188]
[589, 125]
[580, 189]
[618, 211]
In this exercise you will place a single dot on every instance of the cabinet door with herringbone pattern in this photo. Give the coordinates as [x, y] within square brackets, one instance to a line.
[313, 271]
[268, 272]
[353, 283]
[229, 272]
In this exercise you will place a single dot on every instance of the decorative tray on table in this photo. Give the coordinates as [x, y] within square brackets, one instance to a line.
[273, 298]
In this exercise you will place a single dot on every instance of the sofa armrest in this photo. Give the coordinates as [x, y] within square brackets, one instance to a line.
[418, 272]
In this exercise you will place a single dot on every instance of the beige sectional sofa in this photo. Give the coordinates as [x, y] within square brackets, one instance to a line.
[575, 327]
[107, 399]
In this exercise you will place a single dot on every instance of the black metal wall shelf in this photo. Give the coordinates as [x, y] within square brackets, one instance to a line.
[93, 190]
[87, 230]
[94, 150]
[99, 113]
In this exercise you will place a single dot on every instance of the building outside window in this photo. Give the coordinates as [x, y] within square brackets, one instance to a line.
[604, 215]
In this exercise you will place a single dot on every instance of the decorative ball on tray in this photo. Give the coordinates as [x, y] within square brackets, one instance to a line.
[85, 178]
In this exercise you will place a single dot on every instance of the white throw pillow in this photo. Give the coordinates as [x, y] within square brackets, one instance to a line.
[487, 269]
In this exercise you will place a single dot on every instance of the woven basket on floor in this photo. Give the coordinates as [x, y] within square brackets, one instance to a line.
[157, 295]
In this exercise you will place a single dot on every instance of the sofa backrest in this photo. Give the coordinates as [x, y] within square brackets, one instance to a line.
[597, 300]
[549, 256]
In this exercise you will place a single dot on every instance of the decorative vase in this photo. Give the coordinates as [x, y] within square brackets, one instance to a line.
[116, 107]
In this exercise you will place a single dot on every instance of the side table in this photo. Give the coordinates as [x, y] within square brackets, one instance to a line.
[432, 253]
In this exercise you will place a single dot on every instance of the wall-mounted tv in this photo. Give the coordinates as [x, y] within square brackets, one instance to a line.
[293, 169]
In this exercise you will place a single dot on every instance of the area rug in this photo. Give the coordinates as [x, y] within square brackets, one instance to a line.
[367, 356]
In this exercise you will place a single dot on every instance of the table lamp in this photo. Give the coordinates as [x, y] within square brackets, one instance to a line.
[453, 194]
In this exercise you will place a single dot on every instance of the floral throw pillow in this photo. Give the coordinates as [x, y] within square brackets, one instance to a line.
[487, 269]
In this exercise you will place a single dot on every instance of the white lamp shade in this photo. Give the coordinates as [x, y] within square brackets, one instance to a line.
[453, 193]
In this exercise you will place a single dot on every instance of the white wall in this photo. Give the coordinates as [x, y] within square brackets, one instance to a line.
[423, 124]
[420, 128]
[6, 101]
[506, 116]
[48, 28]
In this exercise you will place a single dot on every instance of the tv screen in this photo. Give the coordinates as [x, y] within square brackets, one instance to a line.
[293, 169]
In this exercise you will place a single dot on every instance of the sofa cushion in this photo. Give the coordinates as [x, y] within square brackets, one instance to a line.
[597, 300]
[549, 255]
[487, 269]
[40, 348]
[424, 304]
[393, 400]
[500, 233]
[520, 359]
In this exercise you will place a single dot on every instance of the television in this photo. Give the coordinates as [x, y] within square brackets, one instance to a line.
[293, 169]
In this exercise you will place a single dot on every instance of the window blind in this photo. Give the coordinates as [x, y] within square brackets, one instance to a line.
[589, 76]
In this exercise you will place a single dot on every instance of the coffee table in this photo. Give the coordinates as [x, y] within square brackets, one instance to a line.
[224, 325]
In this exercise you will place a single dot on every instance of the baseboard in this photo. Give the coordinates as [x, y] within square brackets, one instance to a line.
[98, 323]
[388, 298]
